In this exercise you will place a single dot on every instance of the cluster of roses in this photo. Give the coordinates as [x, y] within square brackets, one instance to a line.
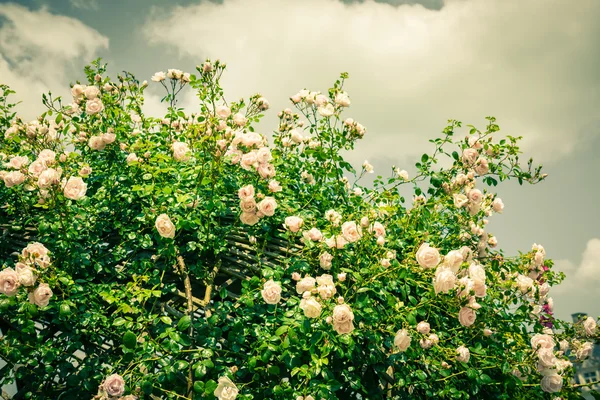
[252, 154]
[549, 366]
[43, 132]
[32, 258]
[305, 99]
[91, 96]
[113, 388]
[470, 282]
[533, 287]
[42, 173]
[253, 211]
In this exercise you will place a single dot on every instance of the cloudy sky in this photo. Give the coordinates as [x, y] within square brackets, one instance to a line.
[413, 64]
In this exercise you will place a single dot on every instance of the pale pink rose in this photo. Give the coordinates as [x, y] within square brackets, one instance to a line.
[239, 119]
[14, 178]
[263, 155]
[267, 206]
[48, 178]
[326, 287]
[546, 357]
[538, 258]
[174, 73]
[26, 274]
[524, 283]
[223, 112]
[341, 276]
[466, 286]
[475, 196]
[453, 260]
[96, 143]
[9, 282]
[466, 316]
[433, 338]
[93, 106]
[77, 90]
[18, 162]
[467, 253]
[544, 289]
[364, 221]
[37, 167]
[380, 241]
[313, 234]
[246, 192]
[249, 218]
[342, 319]
[327, 110]
[114, 385]
[325, 260]
[131, 158]
[481, 166]
[423, 327]
[109, 138]
[75, 188]
[181, 151]
[321, 100]
[293, 223]
[91, 92]
[402, 340]
[487, 332]
[460, 200]
[589, 326]
[538, 247]
[463, 354]
[425, 343]
[274, 187]
[342, 99]
[584, 351]
[492, 241]
[551, 383]
[248, 205]
[564, 345]
[271, 292]
[469, 156]
[41, 295]
[248, 160]
[311, 307]
[226, 390]
[207, 67]
[296, 276]
[296, 136]
[159, 76]
[542, 341]
[34, 251]
[351, 231]
[385, 262]
[427, 256]
[479, 287]
[498, 205]
[476, 271]
[377, 229]
[444, 280]
[307, 284]
[165, 226]
[266, 171]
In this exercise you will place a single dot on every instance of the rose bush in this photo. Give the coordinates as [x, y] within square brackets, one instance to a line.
[188, 257]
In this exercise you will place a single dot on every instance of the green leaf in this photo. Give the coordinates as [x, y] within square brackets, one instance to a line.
[424, 158]
[184, 323]
[119, 321]
[129, 340]
[166, 320]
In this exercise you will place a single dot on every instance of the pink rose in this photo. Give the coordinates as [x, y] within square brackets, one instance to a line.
[266, 171]
[453, 260]
[552, 383]
[41, 295]
[25, 273]
[498, 205]
[226, 390]
[466, 316]
[469, 156]
[114, 385]
[481, 166]
[342, 319]
[267, 206]
[48, 178]
[444, 280]
[37, 167]
[91, 92]
[423, 327]
[402, 340]
[274, 187]
[239, 120]
[18, 162]
[475, 196]
[96, 143]
[311, 307]
[427, 257]
[460, 200]
[377, 229]
[351, 232]
[313, 234]
[94, 106]
[246, 191]
[307, 284]
[293, 223]
[249, 218]
[181, 151]
[13, 178]
[589, 326]
[325, 260]
[9, 282]
[164, 226]
[223, 112]
[271, 292]
[75, 188]
[463, 354]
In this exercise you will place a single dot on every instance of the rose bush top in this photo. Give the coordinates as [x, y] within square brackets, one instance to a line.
[343, 290]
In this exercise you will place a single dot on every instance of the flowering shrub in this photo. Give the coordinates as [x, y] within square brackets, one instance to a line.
[187, 257]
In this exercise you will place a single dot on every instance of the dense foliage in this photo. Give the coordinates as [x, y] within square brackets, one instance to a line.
[186, 257]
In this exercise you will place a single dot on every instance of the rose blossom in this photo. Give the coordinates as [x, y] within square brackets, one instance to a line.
[551, 383]
[114, 385]
[18, 162]
[267, 206]
[524, 283]
[444, 280]
[131, 158]
[460, 200]
[546, 357]
[226, 390]
[293, 223]
[75, 188]
[239, 119]
[41, 295]
[543, 341]
[158, 76]
[307, 284]
[37, 167]
[481, 166]
[342, 99]
[271, 292]
[584, 351]
[351, 232]
[326, 286]
[91, 92]
[402, 340]
[423, 327]
[94, 106]
[246, 191]
[589, 325]
[453, 260]
[274, 187]
[476, 271]
[248, 205]
[427, 256]
[342, 319]
[311, 307]
[463, 354]
[181, 151]
[108, 138]
[164, 226]
[249, 218]
[325, 260]
[266, 171]
[13, 178]
[469, 156]
[377, 229]
[498, 205]
[96, 143]
[466, 316]
[48, 178]
[425, 343]
[9, 282]
[223, 112]
[313, 234]
[77, 90]
[487, 332]
[25, 273]
[475, 196]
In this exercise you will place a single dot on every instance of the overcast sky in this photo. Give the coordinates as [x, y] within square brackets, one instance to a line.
[534, 64]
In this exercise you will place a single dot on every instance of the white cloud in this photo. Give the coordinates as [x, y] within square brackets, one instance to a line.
[579, 291]
[38, 51]
[85, 4]
[528, 62]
